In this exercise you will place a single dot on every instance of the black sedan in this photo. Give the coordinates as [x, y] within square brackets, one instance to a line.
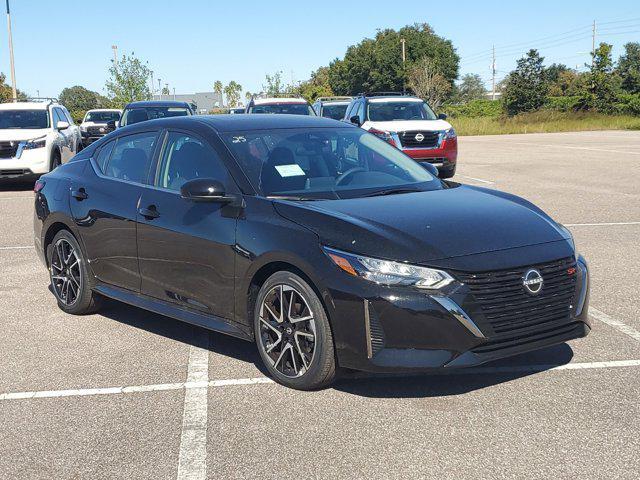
[320, 242]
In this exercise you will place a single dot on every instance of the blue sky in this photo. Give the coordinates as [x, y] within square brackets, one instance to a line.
[191, 43]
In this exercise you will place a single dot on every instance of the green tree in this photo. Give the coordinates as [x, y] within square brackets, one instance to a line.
[78, 98]
[601, 87]
[317, 86]
[526, 88]
[274, 84]
[376, 64]
[165, 90]
[428, 83]
[128, 81]
[629, 68]
[6, 92]
[218, 88]
[232, 91]
[567, 83]
[471, 87]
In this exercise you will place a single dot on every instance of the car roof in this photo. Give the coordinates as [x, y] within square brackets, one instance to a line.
[26, 105]
[242, 122]
[157, 103]
[276, 100]
[394, 99]
[104, 110]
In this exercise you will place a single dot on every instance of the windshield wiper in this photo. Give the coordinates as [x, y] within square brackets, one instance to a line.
[290, 197]
[392, 191]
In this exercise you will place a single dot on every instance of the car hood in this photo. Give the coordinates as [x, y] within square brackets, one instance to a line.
[93, 124]
[425, 226]
[409, 125]
[22, 134]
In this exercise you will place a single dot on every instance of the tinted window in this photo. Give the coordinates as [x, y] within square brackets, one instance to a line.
[137, 115]
[24, 119]
[391, 111]
[290, 108]
[353, 108]
[324, 162]
[334, 111]
[58, 116]
[67, 116]
[185, 158]
[103, 155]
[102, 117]
[131, 157]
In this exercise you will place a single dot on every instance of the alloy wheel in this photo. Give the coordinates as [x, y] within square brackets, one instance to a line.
[66, 277]
[287, 331]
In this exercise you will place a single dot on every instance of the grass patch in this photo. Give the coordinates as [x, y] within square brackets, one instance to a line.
[544, 122]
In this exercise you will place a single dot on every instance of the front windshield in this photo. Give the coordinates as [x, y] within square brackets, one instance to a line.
[392, 111]
[325, 163]
[137, 115]
[334, 111]
[25, 119]
[290, 108]
[102, 117]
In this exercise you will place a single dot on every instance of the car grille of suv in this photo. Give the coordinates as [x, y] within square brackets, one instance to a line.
[8, 149]
[95, 131]
[510, 310]
[425, 139]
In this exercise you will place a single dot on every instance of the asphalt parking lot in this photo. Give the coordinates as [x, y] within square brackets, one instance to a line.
[130, 394]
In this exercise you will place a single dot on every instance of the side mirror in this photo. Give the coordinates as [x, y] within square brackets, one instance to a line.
[442, 116]
[355, 120]
[432, 169]
[205, 190]
[62, 125]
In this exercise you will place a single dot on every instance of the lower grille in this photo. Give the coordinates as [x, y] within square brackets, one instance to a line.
[8, 149]
[509, 309]
[558, 331]
[13, 173]
[375, 332]
[419, 139]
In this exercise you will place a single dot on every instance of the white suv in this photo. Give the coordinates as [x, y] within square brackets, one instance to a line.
[95, 124]
[36, 137]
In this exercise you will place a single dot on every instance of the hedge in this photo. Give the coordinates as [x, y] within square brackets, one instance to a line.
[475, 109]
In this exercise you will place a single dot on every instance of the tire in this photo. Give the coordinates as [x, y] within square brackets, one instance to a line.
[447, 173]
[69, 276]
[56, 161]
[299, 354]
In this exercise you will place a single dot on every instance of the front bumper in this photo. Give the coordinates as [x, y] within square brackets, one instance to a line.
[386, 329]
[30, 162]
[444, 156]
[89, 138]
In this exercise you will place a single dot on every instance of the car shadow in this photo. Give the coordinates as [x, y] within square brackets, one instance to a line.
[12, 185]
[400, 385]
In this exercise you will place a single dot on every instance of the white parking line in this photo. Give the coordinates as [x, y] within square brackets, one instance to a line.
[571, 147]
[30, 197]
[203, 385]
[476, 179]
[617, 324]
[602, 224]
[192, 462]
[21, 247]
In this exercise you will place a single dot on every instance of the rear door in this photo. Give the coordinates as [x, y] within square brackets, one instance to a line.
[105, 203]
[186, 248]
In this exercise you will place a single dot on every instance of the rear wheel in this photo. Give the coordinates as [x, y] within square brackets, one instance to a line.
[292, 333]
[69, 276]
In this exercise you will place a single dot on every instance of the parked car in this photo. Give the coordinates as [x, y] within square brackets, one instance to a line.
[291, 105]
[236, 110]
[95, 124]
[331, 107]
[408, 123]
[36, 137]
[315, 239]
[136, 112]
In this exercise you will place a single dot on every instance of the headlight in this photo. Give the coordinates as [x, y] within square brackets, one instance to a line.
[386, 272]
[449, 134]
[35, 143]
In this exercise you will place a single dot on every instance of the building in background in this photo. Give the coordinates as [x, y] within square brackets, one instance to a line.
[204, 101]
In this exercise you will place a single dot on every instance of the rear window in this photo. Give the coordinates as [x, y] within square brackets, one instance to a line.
[334, 111]
[137, 115]
[289, 108]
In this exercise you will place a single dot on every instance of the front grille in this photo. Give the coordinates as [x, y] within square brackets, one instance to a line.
[509, 309]
[14, 172]
[95, 131]
[8, 149]
[425, 139]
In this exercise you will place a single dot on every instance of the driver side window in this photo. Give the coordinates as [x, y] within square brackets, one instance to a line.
[185, 158]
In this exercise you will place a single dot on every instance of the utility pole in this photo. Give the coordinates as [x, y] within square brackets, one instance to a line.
[152, 86]
[404, 60]
[115, 56]
[493, 73]
[14, 91]
[174, 94]
[593, 45]
[159, 90]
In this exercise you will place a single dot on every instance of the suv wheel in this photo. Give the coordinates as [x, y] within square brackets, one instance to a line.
[56, 160]
[69, 277]
[292, 333]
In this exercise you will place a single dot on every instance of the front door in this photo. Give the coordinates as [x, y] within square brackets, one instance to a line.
[104, 206]
[185, 248]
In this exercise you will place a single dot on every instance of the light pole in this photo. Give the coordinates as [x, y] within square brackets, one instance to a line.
[13, 69]
[404, 59]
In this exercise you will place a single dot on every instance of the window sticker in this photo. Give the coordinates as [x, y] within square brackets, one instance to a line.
[293, 170]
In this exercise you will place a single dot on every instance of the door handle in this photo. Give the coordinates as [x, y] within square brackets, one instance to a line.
[149, 213]
[79, 194]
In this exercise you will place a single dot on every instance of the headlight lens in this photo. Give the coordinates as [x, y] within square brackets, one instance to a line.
[449, 134]
[386, 272]
[35, 143]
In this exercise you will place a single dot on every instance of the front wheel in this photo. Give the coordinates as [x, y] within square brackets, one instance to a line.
[292, 333]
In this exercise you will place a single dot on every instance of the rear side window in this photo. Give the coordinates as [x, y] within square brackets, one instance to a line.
[103, 155]
[186, 158]
[58, 116]
[131, 157]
